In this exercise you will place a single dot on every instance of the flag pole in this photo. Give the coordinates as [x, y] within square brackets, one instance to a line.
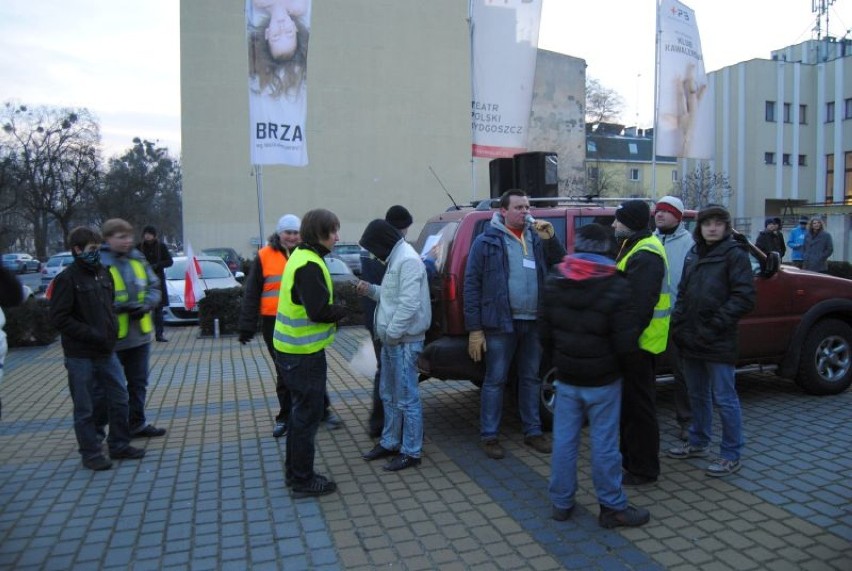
[656, 106]
[472, 158]
[258, 178]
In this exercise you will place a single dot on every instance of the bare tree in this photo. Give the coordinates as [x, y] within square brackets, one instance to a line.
[603, 105]
[143, 186]
[52, 164]
[702, 187]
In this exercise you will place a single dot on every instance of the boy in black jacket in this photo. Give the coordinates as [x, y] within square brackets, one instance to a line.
[588, 325]
[81, 308]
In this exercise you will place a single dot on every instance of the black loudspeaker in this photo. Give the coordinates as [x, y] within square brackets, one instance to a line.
[502, 172]
[536, 174]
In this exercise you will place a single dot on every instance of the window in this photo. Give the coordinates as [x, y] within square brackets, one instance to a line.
[829, 112]
[803, 160]
[634, 174]
[829, 179]
[803, 114]
[787, 113]
[769, 158]
[847, 109]
[770, 111]
[591, 147]
[674, 176]
[632, 148]
[592, 173]
[785, 159]
[847, 181]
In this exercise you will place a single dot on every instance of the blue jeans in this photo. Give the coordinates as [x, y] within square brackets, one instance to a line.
[86, 379]
[305, 377]
[403, 426]
[603, 407]
[135, 363]
[709, 384]
[522, 344]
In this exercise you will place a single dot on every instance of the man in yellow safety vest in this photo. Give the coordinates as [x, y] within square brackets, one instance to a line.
[305, 325]
[642, 259]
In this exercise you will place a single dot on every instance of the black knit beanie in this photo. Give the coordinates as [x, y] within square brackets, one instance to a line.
[399, 217]
[635, 214]
[379, 238]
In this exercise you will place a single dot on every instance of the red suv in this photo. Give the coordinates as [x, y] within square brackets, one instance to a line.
[801, 326]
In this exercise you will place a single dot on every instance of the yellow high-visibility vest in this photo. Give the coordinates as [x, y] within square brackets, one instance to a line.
[654, 338]
[121, 296]
[294, 331]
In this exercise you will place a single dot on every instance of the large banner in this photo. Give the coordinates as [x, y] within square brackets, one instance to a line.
[685, 117]
[277, 33]
[504, 40]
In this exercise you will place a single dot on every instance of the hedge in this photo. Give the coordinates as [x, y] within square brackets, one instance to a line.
[29, 324]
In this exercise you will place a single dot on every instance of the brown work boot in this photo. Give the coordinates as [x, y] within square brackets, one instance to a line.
[539, 443]
[493, 449]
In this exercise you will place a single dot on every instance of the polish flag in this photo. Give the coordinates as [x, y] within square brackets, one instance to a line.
[192, 289]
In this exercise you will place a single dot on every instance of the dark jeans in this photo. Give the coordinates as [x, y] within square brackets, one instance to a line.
[305, 377]
[157, 313]
[640, 432]
[87, 378]
[135, 363]
[377, 415]
[267, 329]
[683, 411]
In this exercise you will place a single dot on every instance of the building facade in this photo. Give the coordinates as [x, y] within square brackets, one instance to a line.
[389, 103]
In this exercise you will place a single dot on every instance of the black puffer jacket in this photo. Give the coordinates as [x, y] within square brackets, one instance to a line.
[716, 290]
[587, 320]
[81, 310]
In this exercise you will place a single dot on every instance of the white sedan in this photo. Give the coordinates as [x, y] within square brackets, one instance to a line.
[214, 275]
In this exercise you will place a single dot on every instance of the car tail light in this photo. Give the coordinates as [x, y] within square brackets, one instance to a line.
[450, 287]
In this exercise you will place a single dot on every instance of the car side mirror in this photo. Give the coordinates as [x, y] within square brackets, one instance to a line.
[770, 265]
[240, 277]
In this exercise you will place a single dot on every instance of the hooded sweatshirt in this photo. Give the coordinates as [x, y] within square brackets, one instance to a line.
[587, 321]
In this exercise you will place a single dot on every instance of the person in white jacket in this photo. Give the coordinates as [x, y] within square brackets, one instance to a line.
[403, 314]
[677, 241]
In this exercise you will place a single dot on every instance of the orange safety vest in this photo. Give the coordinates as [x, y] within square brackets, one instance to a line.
[272, 262]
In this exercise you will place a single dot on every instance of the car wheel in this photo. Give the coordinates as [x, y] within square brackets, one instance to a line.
[825, 364]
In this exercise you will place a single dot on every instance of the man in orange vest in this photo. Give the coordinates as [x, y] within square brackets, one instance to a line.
[260, 295]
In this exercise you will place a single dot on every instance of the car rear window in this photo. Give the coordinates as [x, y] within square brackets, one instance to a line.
[209, 269]
[347, 249]
[435, 240]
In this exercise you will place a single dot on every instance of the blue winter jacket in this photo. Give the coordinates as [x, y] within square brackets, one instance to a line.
[486, 278]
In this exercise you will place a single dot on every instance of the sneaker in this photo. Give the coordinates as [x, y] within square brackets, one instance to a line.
[539, 443]
[148, 431]
[279, 430]
[722, 467]
[493, 449]
[401, 462]
[97, 463]
[687, 450]
[318, 486]
[128, 453]
[561, 514]
[162, 339]
[377, 452]
[629, 480]
[332, 421]
[630, 516]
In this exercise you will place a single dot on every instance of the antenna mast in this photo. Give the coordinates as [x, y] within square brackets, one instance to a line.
[820, 8]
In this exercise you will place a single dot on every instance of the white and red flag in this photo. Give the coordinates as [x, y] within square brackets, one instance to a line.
[193, 292]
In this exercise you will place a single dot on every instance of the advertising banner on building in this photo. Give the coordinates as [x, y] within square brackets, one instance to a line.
[277, 32]
[504, 40]
[685, 115]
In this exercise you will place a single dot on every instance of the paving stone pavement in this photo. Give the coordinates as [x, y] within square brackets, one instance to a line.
[211, 493]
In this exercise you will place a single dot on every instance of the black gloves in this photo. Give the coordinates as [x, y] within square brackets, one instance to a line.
[246, 336]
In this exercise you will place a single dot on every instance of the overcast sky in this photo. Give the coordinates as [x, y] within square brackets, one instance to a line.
[121, 58]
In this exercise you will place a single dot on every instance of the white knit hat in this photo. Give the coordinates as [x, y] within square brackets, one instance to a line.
[289, 222]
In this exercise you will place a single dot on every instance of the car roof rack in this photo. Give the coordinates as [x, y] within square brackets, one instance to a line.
[489, 203]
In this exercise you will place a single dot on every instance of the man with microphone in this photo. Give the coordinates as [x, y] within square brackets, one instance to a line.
[505, 274]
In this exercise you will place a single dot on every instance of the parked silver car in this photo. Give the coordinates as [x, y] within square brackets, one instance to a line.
[349, 253]
[215, 274]
[21, 263]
